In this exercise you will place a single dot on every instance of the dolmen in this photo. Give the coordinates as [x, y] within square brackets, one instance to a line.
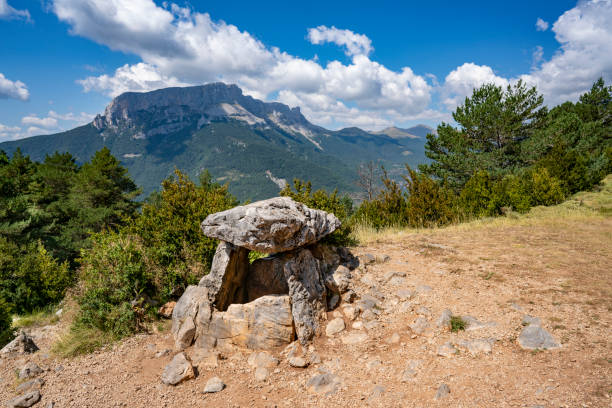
[274, 300]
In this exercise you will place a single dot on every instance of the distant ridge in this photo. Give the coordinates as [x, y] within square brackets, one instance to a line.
[415, 132]
[250, 144]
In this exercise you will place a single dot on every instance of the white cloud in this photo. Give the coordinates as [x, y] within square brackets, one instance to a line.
[179, 47]
[9, 132]
[541, 25]
[356, 44]
[7, 12]
[585, 35]
[77, 119]
[46, 123]
[460, 82]
[13, 89]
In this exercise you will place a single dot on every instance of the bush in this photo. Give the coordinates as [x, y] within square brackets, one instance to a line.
[477, 195]
[116, 276]
[542, 188]
[387, 209]
[6, 320]
[341, 207]
[429, 203]
[29, 277]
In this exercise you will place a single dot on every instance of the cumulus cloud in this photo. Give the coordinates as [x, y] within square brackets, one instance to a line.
[7, 12]
[541, 25]
[34, 125]
[9, 132]
[13, 89]
[355, 44]
[585, 35]
[460, 82]
[46, 123]
[180, 47]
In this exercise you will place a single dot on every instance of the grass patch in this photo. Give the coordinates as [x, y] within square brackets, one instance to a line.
[38, 318]
[80, 340]
[457, 324]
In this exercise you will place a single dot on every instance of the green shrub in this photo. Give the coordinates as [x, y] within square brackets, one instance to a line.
[457, 324]
[341, 207]
[477, 196]
[115, 277]
[6, 320]
[29, 277]
[429, 203]
[543, 188]
[387, 209]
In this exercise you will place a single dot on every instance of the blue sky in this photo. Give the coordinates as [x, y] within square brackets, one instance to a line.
[367, 64]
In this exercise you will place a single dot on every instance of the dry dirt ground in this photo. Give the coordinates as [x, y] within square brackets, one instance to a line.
[560, 272]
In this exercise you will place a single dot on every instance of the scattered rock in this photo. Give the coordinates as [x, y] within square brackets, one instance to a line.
[394, 339]
[162, 353]
[471, 323]
[22, 344]
[334, 327]
[393, 274]
[377, 392]
[262, 359]
[213, 385]
[447, 350]
[325, 384]
[516, 307]
[424, 311]
[444, 319]
[478, 346]
[166, 310]
[527, 320]
[349, 296]
[443, 391]
[419, 325]
[404, 294]
[179, 369]
[30, 370]
[534, 337]
[339, 280]
[205, 359]
[383, 258]
[298, 362]
[350, 312]
[36, 383]
[270, 226]
[25, 401]
[261, 374]
[423, 289]
[367, 259]
[354, 338]
[405, 307]
[408, 375]
[358, 325]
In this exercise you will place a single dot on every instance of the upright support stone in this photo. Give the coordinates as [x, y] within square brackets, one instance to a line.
[226, 280]
[307, 291]
[185, 313]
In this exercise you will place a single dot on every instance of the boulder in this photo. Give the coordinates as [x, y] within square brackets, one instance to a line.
[534, 337]
[193, 303]
[339, 279]
[275, 225]
[22, 344]
[179, 369]
[25, 401]
[264, 323]
[226, 280]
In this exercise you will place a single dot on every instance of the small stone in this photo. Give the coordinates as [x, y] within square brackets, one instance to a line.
[30, 370]
[423, 311]
[478, 346]
[339, 280]
[349, 296]
[368, 315]
[213, 385]
[442, 392]
[536, 338]
[36, 383]
[383, 258]
[59, 312]
[394, 339]
[179, 369]
[358, 325]
[25, 401]
[447, 350]
[423, 289]
[325, 384]
[373, 364]
[263, 359]
[408, 375]
[371, 325]
[528, 320]
[368, 280]
[516, 307]
[205, 359]
[354, 338]
[419, 325]
[471, 323]
[377, 392]
[404, 294]
[367, 259]
[298, 362]
[51, 404]
[350, 312]
[261, 374]
[405, 307]
[334, 327]
[444, 319]
[393, 274]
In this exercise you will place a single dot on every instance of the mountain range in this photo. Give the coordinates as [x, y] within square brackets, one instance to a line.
[254, 146]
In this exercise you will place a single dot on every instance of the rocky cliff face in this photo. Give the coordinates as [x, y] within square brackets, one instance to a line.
[171, 109]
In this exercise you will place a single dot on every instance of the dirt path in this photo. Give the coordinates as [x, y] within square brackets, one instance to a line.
[559, 273]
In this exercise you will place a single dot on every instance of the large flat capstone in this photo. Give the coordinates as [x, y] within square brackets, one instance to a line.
[275, 225]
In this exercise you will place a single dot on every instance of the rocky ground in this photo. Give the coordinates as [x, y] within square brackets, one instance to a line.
[393, 353]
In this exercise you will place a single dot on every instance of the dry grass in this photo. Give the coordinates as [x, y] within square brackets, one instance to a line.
[584, 206]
